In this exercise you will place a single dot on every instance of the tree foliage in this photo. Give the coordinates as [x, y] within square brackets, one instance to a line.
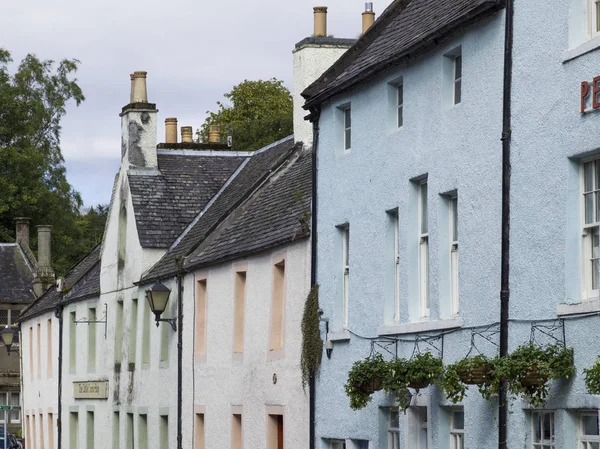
[33, 180]
[259, 113]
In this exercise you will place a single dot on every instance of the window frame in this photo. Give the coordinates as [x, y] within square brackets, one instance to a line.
[585, 441]
[588, 292]
[543, 443]
[345, 230]
[393, 431]
[347, 121]
[400, 104]
[423, 215]
[593, 18]
[457, 69]
[457, 435]
[453, 221]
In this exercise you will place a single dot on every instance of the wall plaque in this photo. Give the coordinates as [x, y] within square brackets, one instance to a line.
[91, 390]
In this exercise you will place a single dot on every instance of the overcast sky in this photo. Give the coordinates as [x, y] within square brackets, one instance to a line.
[193, 51]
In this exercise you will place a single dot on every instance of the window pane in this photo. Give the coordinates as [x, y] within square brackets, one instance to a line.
[457, 92]
[14, 400]
[454, 219]
[594, 445]
[595, 254]
[458, 67]
[394, 419]
[400, 118]
[589, 208]
[537, 428]
[347, 118]
[547, 429]
[588, 176]
[424, 208]
[597, 17]
[347, 139]
[590, 424]
[458, 420]
[400, 94]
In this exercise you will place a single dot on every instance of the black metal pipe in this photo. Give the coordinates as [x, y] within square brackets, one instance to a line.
[179, 360]
[315, 113]
[505, 256]
[59, 315]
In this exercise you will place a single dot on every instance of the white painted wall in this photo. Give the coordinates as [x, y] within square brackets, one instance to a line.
[222, 382]
[40, 392]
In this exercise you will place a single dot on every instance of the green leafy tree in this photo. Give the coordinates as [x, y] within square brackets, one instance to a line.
[33, 180]
[258, 113]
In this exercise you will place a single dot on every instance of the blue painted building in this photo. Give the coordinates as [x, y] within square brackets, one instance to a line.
[409, 208]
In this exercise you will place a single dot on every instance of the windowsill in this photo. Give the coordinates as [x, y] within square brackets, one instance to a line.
[339, 336]
[582, 49]
[588, 306]
[423, 326]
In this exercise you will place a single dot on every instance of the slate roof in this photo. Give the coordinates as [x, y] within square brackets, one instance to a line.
[257, 168]
[406, 30]
[82, 280]
[277, 214]
[16, 275]
[165, 203]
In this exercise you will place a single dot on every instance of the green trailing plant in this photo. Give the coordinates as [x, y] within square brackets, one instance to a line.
[312, 344]
[592, 377]
[478, 370]
[418, 372]
[366, 377]
[529, 368]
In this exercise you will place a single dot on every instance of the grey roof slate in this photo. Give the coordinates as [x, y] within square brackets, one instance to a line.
[256, 170]
[16, 275]
[277, 214]
[165, 203]
[82, 280]
[406, 29]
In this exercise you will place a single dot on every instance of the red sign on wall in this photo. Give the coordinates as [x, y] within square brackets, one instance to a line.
[594, 88]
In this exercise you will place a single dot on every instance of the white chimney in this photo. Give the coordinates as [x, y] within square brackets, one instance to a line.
[138, 126]
[313, 56]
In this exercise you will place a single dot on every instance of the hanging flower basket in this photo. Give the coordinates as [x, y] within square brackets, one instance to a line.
[419, 384]
[476, 375]
[365, 377]
[534, 377]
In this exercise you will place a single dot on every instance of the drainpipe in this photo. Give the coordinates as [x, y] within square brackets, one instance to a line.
[505, 257]
[179, 359]
[59, 314]
[314, 118]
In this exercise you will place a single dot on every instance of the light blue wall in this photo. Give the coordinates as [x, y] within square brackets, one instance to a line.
[459, 148]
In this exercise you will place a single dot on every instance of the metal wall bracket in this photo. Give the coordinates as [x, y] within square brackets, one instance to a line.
[103, 320]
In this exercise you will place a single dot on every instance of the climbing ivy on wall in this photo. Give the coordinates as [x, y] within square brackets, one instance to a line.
[312, 345]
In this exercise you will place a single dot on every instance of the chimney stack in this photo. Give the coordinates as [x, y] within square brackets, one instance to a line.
[368, 17]
[44, 278]
[214, 134]
[22, 225]
[138, 87]
[138, 126]
[320, 14]
[171, 130]
[186, 134]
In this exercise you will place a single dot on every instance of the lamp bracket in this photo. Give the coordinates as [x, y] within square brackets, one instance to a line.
[102, 320]
[171, 321]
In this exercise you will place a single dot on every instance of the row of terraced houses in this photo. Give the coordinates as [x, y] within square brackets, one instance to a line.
[397, 156]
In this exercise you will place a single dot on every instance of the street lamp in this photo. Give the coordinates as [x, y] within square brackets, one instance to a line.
[157, 297]
[8, 336]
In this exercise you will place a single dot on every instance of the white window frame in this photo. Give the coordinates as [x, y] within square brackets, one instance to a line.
[593, 11]
[589, 230]
[457, 78]
[347, 111]
[345, 230]
[457, 436]
[543, 443]
[393, 430]
[423, 249]
[453, 213]
[400, 104]
[586, 441]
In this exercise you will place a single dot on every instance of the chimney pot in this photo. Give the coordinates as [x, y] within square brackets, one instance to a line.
[320, 15]
[171, 130]
[22, 234]
[138, 87]
[186, 134]
[368, 17]
[214, 134]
